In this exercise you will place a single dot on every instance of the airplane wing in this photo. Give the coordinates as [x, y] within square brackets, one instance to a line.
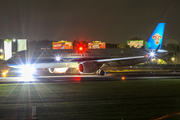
[118, 59]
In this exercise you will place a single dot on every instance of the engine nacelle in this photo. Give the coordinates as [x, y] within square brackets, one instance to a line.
[51, 70]
[58, 70]
[88, 67]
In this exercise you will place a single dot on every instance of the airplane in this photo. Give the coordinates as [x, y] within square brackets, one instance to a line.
[90, 60]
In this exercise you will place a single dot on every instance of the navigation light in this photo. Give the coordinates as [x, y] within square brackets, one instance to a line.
[152, 54]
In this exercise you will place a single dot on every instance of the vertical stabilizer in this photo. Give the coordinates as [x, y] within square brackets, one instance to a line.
[156, 37]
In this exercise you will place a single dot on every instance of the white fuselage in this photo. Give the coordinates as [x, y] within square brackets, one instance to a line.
[71, 58]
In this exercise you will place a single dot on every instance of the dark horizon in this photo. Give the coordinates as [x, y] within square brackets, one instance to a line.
[111, 21]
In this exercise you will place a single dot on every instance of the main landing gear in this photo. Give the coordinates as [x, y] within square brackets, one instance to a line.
[100, 72]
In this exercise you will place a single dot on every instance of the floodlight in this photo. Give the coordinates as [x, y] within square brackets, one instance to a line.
[27, 70]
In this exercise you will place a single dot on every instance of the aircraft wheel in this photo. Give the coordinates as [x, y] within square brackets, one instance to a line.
[101, 72]
[78, 73]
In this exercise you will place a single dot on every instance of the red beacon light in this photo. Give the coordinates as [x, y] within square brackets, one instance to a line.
[80, 48]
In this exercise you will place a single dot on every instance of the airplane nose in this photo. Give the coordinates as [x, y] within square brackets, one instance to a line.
[10, 62]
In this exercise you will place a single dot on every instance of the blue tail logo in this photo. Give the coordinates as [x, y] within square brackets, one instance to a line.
[156, 37]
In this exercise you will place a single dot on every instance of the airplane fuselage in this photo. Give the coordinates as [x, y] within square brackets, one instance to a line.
[71, 58]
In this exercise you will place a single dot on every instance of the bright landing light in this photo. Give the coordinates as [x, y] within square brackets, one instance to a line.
[27, 70]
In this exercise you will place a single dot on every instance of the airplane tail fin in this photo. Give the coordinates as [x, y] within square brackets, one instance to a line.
[155, 40]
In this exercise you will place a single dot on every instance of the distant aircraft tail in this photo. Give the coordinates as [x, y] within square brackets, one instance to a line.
[156, 37]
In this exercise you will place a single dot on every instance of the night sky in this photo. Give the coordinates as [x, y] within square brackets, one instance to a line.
[112, 21]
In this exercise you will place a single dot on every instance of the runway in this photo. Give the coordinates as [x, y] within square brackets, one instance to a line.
[89, 78]
[144, 96]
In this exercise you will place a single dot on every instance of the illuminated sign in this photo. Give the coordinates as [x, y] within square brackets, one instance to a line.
[62, 45]
[22, 44]
[135, 43]
[97, 45]
[57, 45]
[102, 45]
[1, 57]
[7, 49]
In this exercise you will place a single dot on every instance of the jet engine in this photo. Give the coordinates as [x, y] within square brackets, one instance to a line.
[88, 67]
[58, 70]
[51, 70]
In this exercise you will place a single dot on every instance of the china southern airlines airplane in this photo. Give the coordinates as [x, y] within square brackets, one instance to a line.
[91, 60]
